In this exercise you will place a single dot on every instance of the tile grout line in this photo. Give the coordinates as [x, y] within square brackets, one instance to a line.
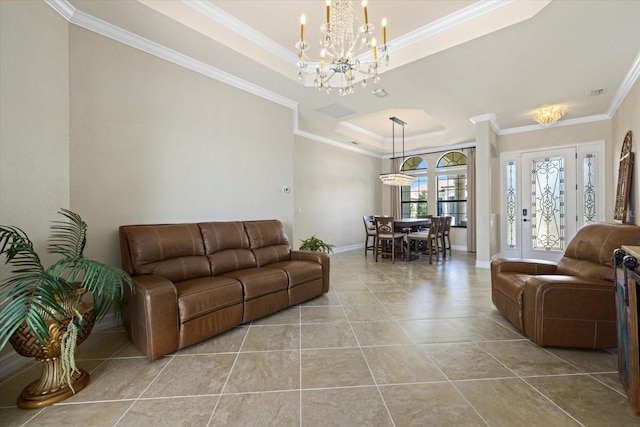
[233, 365]
[143, 391]
[373, 377]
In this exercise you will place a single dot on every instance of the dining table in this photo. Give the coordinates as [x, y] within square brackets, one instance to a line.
[411, 223]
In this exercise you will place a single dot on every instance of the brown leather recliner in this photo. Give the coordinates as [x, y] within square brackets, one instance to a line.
[570, 303]
[194, 281]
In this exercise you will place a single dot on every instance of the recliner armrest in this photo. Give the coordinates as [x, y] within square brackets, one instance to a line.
[321, 258]
[151, 315]
[524, 266]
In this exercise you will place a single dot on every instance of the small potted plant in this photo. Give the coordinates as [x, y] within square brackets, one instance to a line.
[315, 244]
[42, 310]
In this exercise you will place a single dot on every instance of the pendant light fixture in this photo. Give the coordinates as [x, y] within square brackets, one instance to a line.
[397, 179]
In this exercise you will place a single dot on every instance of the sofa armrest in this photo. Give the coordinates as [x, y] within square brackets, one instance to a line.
[560, 298]
[522, 266]
[150, 315]
[321, 258]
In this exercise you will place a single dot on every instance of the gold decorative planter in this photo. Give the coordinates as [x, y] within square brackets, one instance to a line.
[52, 386]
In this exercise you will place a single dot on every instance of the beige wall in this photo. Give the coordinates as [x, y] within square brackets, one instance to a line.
[154, 142]
[332, 190]
[34, 117]
[627, 118]
[34, 120]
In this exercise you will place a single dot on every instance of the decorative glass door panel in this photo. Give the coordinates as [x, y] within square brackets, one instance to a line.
[549, 202]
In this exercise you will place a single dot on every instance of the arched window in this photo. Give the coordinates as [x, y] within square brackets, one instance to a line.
[413, 198]
[451, 174]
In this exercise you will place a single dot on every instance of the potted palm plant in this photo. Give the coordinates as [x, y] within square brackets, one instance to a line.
[45, 312]
[315, 244]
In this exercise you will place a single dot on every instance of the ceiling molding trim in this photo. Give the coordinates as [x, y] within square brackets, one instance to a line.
[489, 117]
[389, 139]
[363, 131]
[447, 22]
[560, 123]
[233, 24]
[328, 141]
[625, 87]
[423, 135]
[63, 8]
[91, 23]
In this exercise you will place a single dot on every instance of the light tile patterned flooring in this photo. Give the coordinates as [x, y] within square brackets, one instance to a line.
[404, 344]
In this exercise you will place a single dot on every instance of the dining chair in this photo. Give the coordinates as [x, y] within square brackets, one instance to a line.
[388, 241]
[446, 239]
[424, 242]
[370, 230]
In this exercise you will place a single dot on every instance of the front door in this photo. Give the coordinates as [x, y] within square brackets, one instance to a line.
[546, 196]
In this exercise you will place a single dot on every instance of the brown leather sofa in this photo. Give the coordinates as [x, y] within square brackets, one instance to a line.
[570, 303]
[193, 281]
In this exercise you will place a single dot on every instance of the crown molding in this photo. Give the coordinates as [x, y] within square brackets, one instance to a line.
[625, 87]
[446, 23]
[388, 139]
[232, 23]
[335, 143]
[98, 26]
[560, 123]
[493, 121]
[489, 117]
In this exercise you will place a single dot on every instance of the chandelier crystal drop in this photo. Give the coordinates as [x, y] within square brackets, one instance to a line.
[548, 116]
[397, 179]
[345, 49]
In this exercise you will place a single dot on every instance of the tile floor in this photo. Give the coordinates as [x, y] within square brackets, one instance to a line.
[404, 344]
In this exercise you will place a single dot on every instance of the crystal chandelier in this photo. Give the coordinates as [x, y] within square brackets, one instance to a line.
[342, 49]
[548, 116]
[397, 179]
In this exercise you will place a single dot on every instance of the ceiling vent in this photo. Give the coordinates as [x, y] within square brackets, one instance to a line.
[596, 92]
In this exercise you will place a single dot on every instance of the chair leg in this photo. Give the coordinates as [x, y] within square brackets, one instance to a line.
[393, 251]
[377, 250]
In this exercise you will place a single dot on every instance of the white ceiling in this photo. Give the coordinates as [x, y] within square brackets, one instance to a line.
[450, 61]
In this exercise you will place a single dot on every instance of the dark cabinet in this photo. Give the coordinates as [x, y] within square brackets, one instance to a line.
[627, 261]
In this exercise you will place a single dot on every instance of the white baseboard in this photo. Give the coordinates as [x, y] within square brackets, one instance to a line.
[348, 248]
[12, 361]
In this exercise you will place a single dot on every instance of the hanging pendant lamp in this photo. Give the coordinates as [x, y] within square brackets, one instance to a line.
[397, 179]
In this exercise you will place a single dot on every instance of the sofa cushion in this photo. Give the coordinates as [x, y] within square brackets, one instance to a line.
[173, 251]
[268, 241]
[257, 282]
[227, 246]
[299, 272]
[198, 297]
